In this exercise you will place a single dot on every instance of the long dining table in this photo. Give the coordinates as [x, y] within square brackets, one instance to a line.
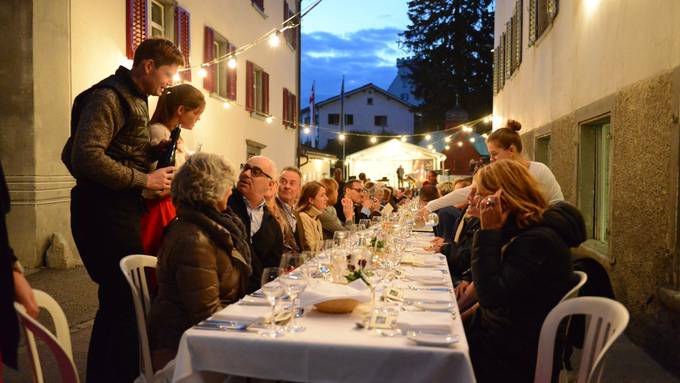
[331, 349]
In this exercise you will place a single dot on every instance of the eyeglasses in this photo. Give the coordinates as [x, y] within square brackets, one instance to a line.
[357, 190]
[255, 171]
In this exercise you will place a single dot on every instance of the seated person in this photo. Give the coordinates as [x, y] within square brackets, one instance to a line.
[447, 218]
[521, 268]
[330, 223]
[203, 262]
[313, 201]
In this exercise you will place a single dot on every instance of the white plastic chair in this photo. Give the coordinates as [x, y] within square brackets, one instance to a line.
[606, 320]
[583, 278]
[132, 267]
[60, 346]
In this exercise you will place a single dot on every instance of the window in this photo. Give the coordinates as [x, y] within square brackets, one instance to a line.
[333, 119]
[306, 120]
[349, 119]
[157, 19]
[259, 4]
[369, 101]
[257, 89]
[290, 34]
[541, 15]
[380, 120]
[221, 79]
[542, 153]
[289, 109]
[593, 178]
[253, 148]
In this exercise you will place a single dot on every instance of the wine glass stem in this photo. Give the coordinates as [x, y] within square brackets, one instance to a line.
[372, 296]
[272, 324]
[294, 299]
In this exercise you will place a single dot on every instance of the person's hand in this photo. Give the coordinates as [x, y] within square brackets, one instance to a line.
[366, 201]
[435, 245]
[348, 208]
[461, 288]
[23, 293]
[160, 179]
[423, 212]
[473, 201]
[375, 205]
[491, 214]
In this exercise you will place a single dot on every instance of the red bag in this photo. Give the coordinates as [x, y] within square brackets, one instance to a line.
[160, 212]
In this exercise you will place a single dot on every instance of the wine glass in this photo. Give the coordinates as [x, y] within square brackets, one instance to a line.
[365, 222]
[294, 285]
[373, 277]
[339, 237]
[323, 262]
[272, 289]
[291, 261]
[309, 264]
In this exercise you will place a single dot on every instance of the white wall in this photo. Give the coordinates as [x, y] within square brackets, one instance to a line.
[593, 49]
[98, 47]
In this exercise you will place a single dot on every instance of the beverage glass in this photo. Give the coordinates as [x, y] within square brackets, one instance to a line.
[272, 289]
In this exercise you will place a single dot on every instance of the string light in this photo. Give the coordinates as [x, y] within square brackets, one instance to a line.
[460, 143]
[428, 137]
[269, 119]
[434, 151]
[176, 77]
[231, 63]
[403, 138]
[274, 40]
[305, 130]
[341, 137]
[447, 139]
[487, 119]
[447, 147]
[429, 146]
[202, 73]
[485, 136]
[226, 105]
[472, 139]
[374, 140]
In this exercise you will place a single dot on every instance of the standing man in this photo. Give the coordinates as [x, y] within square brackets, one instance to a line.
[286, 198]
[110, 157]
[400, 176]
[247, 201]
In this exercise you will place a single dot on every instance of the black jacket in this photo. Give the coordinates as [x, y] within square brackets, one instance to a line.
[520, 275]
[459, 253]
[8, 317]
[266, 244]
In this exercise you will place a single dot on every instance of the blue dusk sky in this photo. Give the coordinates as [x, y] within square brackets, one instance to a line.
[357, 38]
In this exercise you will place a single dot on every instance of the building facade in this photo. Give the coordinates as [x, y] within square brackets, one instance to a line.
[62, 47]
[599, 99]
[368, 108]
[402, 86]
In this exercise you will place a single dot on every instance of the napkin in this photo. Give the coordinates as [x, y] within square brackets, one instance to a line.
[428, 296]
[416, 273]
[424, 321]
[243, 313]
[321, 291]
[422, 259]
[250, 300]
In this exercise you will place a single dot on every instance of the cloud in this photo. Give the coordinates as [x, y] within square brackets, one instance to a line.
[364, 56]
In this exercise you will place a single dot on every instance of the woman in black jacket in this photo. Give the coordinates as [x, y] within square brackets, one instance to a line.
[521, 267]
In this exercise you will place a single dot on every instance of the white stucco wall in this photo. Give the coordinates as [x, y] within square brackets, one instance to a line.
[593, 49]
[98, 47]
[400, 120]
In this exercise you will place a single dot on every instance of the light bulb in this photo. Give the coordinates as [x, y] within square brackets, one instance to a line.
[231, 63]
[488, 119]
[460, 143]
[226, 105]
[403, 139]
[341, 137]
[305, 130]
[447, 139]
[447, 147]
[428, 137]
[434, 151]
[202, 73]
[429, 146]
[176, 77]
[485, 135]
[472, 139]
[374, 140]
[269, 119]
[274, 40]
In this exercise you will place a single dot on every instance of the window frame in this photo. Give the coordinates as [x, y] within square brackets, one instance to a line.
[349, 119]
[537, 144]
[375, 120]
[369, 101]
[336, 118]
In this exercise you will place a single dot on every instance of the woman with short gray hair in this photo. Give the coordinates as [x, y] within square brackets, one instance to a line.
[204, 261]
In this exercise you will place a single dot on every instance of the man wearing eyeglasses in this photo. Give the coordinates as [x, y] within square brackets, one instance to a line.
[247, 201]
[355, 193]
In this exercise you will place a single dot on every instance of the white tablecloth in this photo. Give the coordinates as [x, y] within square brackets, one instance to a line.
[330, 350]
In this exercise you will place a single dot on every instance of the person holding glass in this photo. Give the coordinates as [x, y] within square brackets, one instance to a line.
[203, 262]
[521, 267]
[313, 200]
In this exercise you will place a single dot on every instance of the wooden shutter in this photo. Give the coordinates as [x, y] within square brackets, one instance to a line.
[208, 55]
[265, 92]
[553, 7]
[293, 115]
[136, 25]
[532, 22]
[231, 79]
[286, 117]
[494, 62]
[250, 86]
[501, 62]
[183, 39]
[518, 32]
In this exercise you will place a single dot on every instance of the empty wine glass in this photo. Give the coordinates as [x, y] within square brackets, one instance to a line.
[365, 222]
[272, 289]
[295, 285]
[339, 237]
[291, 261]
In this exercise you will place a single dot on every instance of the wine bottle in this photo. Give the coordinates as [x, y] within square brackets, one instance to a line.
[168, 156]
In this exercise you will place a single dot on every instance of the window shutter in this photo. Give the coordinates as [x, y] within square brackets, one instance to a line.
[265, 93]
[294, 110]
[250, 84]
[553, 7]
[286, 117]
[183, 39]
[495, 70]
[231, 75]
[501, 63]
[532, 22]
[259, 3]
[136, 25]
[518, 32]
[510, 44]
[208, 42]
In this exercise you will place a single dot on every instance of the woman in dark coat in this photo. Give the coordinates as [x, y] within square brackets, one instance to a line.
[203, 262]
[521, 267]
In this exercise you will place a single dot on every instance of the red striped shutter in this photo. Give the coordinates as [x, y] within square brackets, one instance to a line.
[136, 25]
[265, 92]
[250, 83]
[286, 117]
[231, 75]
[208, 42]
[183, 39]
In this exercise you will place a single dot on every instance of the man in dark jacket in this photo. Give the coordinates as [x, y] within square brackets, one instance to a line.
[110, 157]
[362, 203]
[247, 201]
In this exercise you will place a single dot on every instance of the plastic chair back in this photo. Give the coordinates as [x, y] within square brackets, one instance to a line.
[59, 345]
[133, 267]
[606, 320]
[583, 278]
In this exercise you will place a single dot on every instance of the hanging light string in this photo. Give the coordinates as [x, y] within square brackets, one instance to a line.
[273, 33]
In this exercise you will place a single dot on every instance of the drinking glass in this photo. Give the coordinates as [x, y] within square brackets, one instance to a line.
[272, 289]
[374, 276]
[294, 285]
[365, 222]
[291, 261]
[339, 237]
[323, 262]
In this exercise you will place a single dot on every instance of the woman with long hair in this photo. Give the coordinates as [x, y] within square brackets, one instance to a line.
[330, 222]
[312, 202]
[178, 106]
[506, 143]
[521, 268]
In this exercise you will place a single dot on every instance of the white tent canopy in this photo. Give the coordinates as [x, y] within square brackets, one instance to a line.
[382, 160]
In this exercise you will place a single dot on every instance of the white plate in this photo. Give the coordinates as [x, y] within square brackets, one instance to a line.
[432, 339]
[434, 306]
[429, 281]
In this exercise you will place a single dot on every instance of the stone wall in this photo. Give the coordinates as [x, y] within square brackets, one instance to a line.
[643, 201]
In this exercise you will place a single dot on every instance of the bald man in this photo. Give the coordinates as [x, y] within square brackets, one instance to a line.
[247, 201]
